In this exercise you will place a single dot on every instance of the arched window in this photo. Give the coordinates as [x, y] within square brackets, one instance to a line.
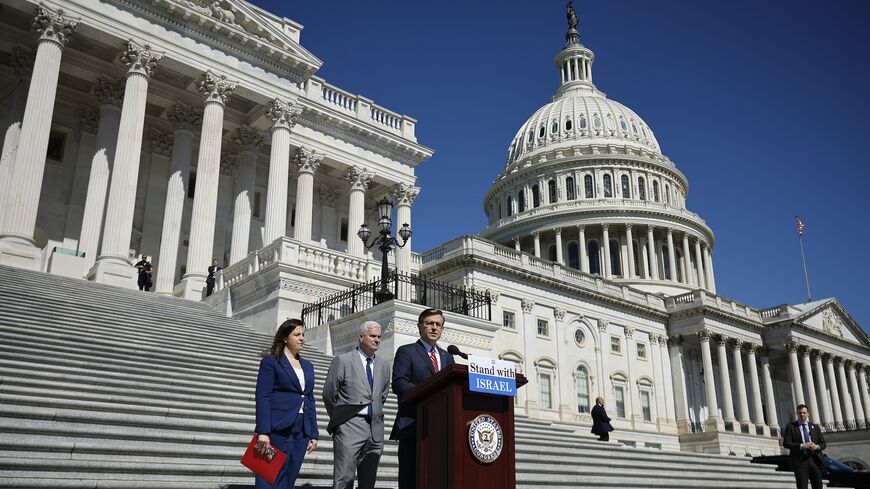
[609, 122]
[581, 385]
[541, 132]
[666, 261]
[594, 258]
[510, 207]
[521, 201]
[622, 124]
[551, 191]
[568, 125]
[634, 127]
[668, 193]
[608, 186]
[596, 122]
[569, 188]
[582, 122]
[554, 128]
[536, 196]
[637, 257]
[626, 188]
[641, 188]
[589, 188]
[656, 196]
[551, 252]
[615, 262]
[531, 136]
[573, 255]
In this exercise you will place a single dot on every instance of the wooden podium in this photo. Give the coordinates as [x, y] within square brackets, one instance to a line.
[445, 411]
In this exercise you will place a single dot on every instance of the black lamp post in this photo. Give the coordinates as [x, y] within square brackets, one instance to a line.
[385, 243]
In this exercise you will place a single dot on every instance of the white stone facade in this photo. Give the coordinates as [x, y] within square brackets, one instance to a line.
[188, 130]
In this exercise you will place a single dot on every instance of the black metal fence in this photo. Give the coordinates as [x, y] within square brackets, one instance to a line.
[408, 288]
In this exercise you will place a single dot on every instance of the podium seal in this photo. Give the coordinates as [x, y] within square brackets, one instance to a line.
[485, 438]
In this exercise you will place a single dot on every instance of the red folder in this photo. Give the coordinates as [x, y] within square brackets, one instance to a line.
[262, 466]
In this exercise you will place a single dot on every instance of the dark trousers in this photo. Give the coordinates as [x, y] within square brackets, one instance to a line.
[604, 436]
[407, 463]
[209, 286]
[808, 471]
[144, 281]
[293, 442]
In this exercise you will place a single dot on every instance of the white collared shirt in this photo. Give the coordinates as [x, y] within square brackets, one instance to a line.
[362, 357]
[429, 349]
[300, 374]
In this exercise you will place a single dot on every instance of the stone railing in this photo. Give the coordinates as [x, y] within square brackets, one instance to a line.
[777, 312]
[596, 204]
[700, 297]
[359, 107]
[288, 251]
[488, 250]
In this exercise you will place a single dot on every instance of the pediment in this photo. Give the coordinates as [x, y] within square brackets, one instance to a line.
[832, 319]
[247, 27]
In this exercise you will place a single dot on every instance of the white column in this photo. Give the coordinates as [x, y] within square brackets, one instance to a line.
[215, 89]
[160, 148]
[797, 387]
[725, 377]
[656, 364]
[811, 386]
[757, 409]
[307, 161]
[604, 341]
[702, 282]
[536, 235]
[769, 396]
[678, 382]
[223, 209]
[709, 378]
[666, 376]
[584, 251]
[249, 141]
[651, 252]
[629, 242]
[606, 244]
[22, 64]
[185, 119]
[78, 180]
[517, 244]
[742, 400]
[110, 94]
[113, 264]
[687, 261]
[283, 117]
[559, 258]
[865, 395]
[847, 398]
[824, 400]
[404, 195]
[672, 256]
[708, 268]
[359, 179]
[25, 185]
[835, 391]
[856, 394]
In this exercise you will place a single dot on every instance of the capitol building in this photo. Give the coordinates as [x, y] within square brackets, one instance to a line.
[185, 130]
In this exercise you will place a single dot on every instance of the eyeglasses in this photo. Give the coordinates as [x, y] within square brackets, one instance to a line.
[430, 324]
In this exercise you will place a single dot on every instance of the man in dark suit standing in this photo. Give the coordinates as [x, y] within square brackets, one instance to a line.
[600, 421]
[805, 443]
[413, 364]
[354, 393]
[209, 280]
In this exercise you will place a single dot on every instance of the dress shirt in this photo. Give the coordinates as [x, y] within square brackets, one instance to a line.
[429, 349]
[301, 376]
[362, 358]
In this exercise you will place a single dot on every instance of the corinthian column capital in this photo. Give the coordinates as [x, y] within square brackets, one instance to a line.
[328, 196]
[22, 61]
[248, 138]
[405, 194]
[282, 114]
[159, 142]
[215, 88]
[88, 119]
[184, 116]
[358, 178]
[228, 164]
[139, 58]
[109, 92]
[307, 160]
[53, 25]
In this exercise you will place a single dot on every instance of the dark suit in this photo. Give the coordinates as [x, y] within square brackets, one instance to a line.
[601, 423]
[279, 396]
[411, 366]
[807, 465]
[357, 442]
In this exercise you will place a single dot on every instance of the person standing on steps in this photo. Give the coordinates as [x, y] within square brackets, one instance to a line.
[805, 443]
[354, 394]
[413, 364]
[209, 281]
[600, 421]
[144, 269]
[285, 412]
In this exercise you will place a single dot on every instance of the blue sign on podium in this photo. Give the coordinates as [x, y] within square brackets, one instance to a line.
[492, 376]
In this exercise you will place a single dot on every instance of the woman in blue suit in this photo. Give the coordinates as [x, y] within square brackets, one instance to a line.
[286, 415]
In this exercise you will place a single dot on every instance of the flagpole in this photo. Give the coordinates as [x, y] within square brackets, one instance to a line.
[800, 227]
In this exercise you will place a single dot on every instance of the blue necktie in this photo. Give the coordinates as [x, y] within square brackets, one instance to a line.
[371, 381]
[806, 434]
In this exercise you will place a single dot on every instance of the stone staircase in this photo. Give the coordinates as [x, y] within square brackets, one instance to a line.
[102, 387]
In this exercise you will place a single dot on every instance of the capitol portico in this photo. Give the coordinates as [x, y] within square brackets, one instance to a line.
[187, 130]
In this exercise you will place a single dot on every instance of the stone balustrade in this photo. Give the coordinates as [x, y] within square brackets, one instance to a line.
[706, 298]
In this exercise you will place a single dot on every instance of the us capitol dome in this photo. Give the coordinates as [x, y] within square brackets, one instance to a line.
[586, 185]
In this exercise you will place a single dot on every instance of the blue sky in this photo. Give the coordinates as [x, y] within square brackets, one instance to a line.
[763, 105]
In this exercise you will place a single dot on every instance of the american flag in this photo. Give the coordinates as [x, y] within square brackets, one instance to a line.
[800, 226]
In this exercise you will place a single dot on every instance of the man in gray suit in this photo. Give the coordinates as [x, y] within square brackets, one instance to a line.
[354, 393]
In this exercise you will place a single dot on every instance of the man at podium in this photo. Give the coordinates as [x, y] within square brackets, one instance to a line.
[413, 364]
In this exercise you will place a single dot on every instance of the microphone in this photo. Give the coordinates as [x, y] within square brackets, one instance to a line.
[453, 350]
